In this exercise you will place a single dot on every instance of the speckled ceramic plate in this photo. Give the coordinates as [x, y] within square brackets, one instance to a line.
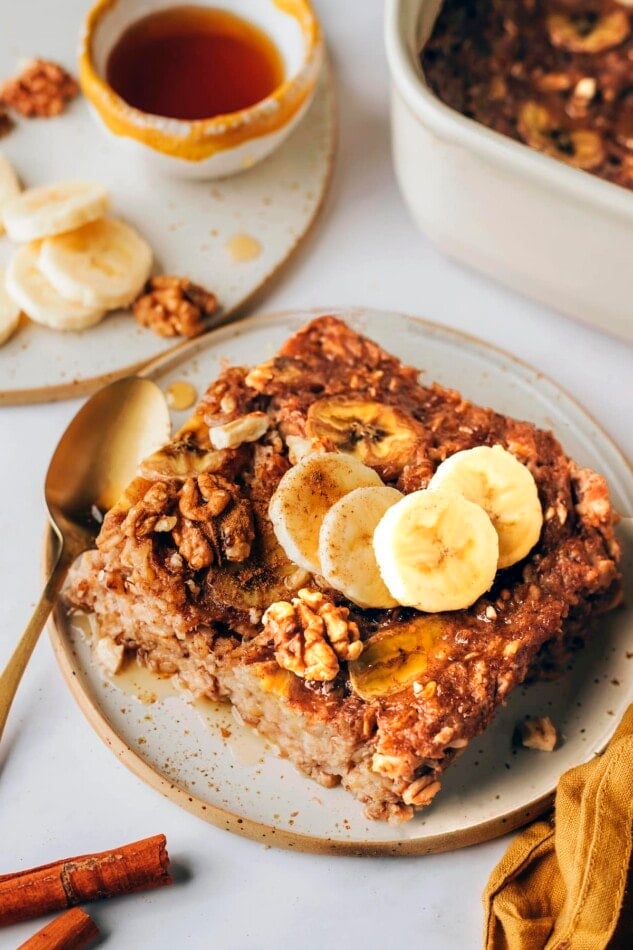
[189, 224]
[210, 764]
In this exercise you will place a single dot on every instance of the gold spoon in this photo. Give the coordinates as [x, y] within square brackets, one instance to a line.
[96, 458]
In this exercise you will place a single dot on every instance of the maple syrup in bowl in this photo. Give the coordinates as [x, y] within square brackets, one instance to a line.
[194, 62]
[204, 89]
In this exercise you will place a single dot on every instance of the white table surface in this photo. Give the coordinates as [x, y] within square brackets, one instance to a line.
[62, 792]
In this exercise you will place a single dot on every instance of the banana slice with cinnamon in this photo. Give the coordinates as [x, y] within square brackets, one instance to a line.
[436, 551]
[493, 478]
[346, 554]
[304, 496]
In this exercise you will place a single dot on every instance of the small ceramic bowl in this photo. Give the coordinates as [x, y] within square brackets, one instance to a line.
[219, 146]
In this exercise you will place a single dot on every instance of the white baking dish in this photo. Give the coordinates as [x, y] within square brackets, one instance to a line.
[547, 230]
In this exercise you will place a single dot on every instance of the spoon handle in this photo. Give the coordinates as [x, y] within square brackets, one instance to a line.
[10, 679]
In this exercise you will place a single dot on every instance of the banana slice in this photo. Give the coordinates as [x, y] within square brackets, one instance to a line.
[9, 312]
[394, 658]
[382, 436]
[103, 264]
[582, 148]
[304, 496]
[346, 554]
[9, 186]
[494, 479]
[587, 32]
[51, 209]
[181, 459]
[436, 551]
[39, 300]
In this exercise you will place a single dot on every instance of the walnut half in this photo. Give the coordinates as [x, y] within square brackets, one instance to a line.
[174, 306]
[6, 122]
[206, 516]
[310, 634]
[216, 523]
[42, 89]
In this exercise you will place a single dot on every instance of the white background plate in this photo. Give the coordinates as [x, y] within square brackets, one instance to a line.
[187, 223]
[235, 782]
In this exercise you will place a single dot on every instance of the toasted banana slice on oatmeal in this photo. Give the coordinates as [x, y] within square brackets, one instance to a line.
[586, 31]
[304, 496]
[379, 435]
[582, 148]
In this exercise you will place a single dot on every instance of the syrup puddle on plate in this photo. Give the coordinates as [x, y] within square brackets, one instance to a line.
[180, 395]
[244, 744]
[242, 247]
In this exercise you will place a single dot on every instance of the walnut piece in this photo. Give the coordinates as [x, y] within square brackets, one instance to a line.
[6, 122]
[42, 89]
[539, 733]
[300, 447]
[142, 517]
[174, 306]
[592, 491]
[207, 518]
[216, 525]
[110, 654]
[311, 634]
[248, 428]
[280, 371]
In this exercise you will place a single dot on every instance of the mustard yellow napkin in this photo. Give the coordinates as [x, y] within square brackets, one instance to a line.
[566, 884]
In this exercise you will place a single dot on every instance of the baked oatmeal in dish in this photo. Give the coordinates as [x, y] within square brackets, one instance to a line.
[555, 74]
[365, 567]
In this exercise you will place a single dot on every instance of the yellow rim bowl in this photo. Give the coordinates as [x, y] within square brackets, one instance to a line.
[200, 139]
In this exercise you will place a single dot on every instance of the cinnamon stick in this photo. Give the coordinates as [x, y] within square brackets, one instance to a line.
[132, 867]
[69, 931]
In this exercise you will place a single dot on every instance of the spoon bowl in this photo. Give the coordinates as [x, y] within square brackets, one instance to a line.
[96, 458]
[99, 452]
